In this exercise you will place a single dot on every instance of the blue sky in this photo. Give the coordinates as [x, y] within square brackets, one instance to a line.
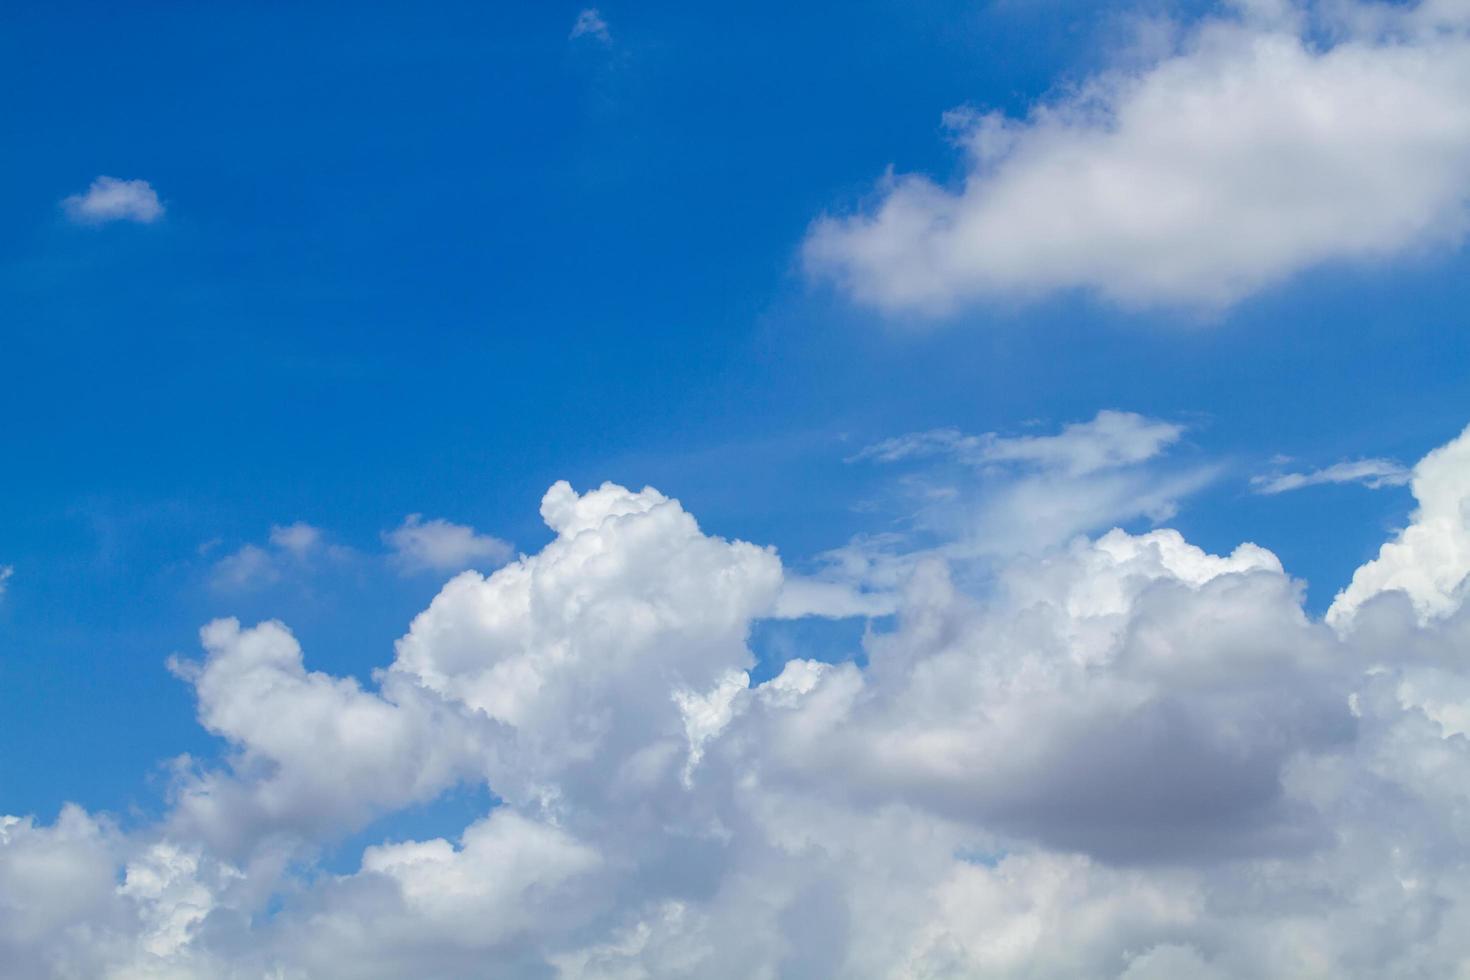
[430, 259]
[436, 276]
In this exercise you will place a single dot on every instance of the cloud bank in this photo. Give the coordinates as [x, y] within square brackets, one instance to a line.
[1263, 143]
[1120, 757]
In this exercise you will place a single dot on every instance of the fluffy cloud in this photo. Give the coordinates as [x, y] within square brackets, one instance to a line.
[1372, 473]
[1429, 560]
[315, 755]
[110, 199]
[437, 545]
[1038, 730]
[554, 647]
[1119, 756]
[1264, 143]
[6, 572]
[56, 886]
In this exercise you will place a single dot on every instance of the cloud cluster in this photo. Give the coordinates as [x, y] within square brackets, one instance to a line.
[1121, 757]
[1263, 143]
[110, 199]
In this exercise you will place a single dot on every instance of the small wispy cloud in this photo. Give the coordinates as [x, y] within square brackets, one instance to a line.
[1371, 473]
[252, 567]
[6, 571]
[590, 23]
[110, 199]
[288, 547]
[1110, 440]
[440, 546]
[987, 495]
[299, 539]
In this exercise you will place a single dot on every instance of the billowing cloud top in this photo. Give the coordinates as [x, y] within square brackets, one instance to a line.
[1264, 143]
[1126, 757]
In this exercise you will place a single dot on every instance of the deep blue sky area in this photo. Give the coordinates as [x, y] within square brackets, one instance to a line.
[429, 258]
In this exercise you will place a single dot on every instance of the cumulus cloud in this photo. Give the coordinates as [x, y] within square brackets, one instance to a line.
[1268, 141]
[111, 199]
[313, 755]
[1372, 473]
[440, 546]
[590, 23]
[1119, 756]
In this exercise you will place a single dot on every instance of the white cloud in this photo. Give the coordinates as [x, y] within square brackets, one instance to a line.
[315, 755]
[1429, 560]
[6, 573]
[1372, 473]
[546, 645]
[111, 199]
[1265, 143]
[706, 715]
[1118, 757]
[172, 900]
[437, 545]
[590, 23]
[832, 598]
[500, 881]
